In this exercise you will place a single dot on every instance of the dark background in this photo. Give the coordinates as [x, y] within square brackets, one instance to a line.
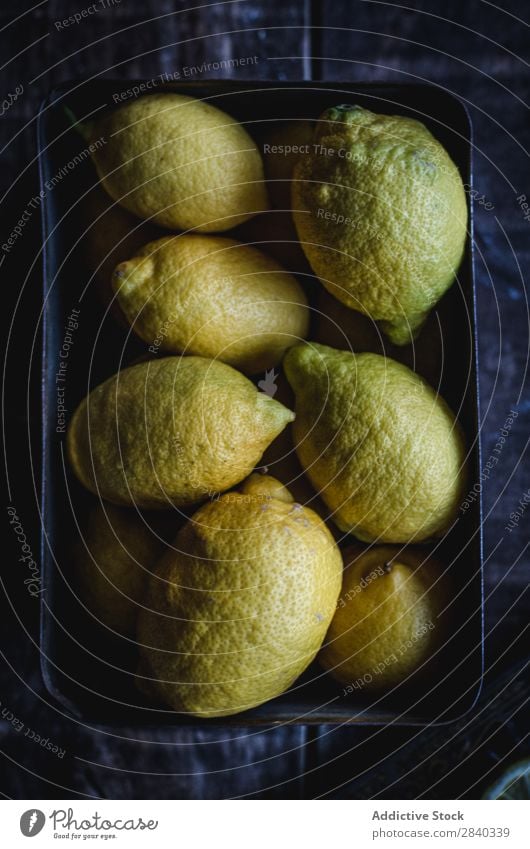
[476, 50]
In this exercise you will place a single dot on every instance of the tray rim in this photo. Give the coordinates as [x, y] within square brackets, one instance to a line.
[373, 717]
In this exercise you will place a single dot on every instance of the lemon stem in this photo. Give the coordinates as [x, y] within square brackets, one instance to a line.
[84, 129]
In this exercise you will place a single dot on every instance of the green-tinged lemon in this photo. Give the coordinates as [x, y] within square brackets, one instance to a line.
[381, 213]
[383, 450]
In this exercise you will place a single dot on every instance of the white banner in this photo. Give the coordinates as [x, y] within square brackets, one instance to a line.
[262, 825]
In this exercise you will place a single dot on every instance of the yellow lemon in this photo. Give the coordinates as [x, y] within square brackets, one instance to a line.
[387, 623]
[384, 451]
[171, 431]
[212, 297]
[180, 162]
[116, 552]
[381, 213]
[239, 607]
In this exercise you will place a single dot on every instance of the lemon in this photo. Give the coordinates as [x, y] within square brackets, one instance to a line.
[387, 621]
[239, 607]
[381, 447]
[171, 431]
[112, 559]
[212, 297]
[381, 213]
[180, 162]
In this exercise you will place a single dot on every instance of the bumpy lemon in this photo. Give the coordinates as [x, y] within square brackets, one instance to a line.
[387, 622]
[180, 162]
[381, 212]
[113, 557]
[239, 607]
[171, 431]
[382, 448]
[212, 297]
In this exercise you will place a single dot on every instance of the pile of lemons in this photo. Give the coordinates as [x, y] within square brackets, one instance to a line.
[228, 585]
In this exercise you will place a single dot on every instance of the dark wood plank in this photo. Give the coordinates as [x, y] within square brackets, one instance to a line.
[238, 39]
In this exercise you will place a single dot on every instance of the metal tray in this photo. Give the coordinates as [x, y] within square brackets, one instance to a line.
[90, 675]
